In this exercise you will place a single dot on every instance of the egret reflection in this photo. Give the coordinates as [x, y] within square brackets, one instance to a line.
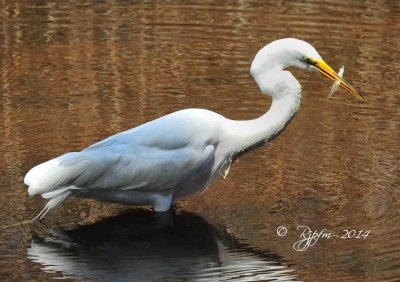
[151, 247]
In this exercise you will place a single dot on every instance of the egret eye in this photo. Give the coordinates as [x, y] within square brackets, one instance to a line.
[308, 61]
[305, 60]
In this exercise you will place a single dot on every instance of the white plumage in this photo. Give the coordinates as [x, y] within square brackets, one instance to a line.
[180, 153]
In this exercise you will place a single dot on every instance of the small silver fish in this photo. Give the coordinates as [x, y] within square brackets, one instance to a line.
[335, 84]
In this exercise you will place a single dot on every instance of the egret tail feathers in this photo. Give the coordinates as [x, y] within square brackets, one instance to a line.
[55, 200]
[57, 192]
[56, 173]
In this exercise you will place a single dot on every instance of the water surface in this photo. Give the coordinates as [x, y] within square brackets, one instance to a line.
[74, 72]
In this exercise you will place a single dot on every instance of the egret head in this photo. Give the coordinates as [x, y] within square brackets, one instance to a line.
[297, 53]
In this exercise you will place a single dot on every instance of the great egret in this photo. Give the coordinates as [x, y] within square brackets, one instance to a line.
[181, 153]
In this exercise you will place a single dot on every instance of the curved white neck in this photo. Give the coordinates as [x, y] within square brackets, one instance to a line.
[285, 91]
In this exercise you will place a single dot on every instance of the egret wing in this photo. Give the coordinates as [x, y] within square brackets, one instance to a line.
[155, 156]
[123, 166]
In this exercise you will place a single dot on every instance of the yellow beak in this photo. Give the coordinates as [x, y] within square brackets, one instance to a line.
[329, 72]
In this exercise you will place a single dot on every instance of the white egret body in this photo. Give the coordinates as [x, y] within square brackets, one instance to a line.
[181, 153]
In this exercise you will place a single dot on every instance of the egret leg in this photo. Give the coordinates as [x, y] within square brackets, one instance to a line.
[162, 203]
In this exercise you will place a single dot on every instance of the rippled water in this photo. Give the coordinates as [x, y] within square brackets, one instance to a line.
[74, 72]
[146, 247]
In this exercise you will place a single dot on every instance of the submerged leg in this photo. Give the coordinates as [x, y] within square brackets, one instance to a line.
[162, 203]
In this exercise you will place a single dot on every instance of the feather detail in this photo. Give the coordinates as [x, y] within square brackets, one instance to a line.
[56, 173]
[57, 192]
[54, 202]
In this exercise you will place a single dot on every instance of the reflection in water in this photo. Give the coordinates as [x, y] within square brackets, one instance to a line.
[151, 247]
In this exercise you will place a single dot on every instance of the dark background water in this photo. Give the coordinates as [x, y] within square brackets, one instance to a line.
[74, 72]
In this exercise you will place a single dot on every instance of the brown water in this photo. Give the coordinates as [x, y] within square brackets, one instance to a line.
[74, 72]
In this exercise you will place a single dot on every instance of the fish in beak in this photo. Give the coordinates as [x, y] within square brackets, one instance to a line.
[330, 73]
[335, 84]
